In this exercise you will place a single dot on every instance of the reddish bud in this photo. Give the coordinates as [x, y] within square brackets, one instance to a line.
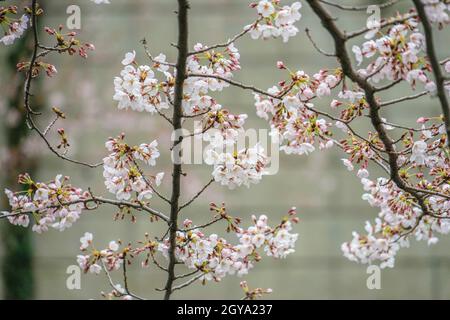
[280, 65]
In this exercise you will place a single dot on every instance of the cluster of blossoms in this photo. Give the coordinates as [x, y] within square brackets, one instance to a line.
[122, 173]
[241, 167]
[14, 28]
[398, 218]
[437, 11]
[233, 166]
[210, 255]
[397, 56]
[291, 114]
[56, 204]
[208, 63]
[216, 258]
[275, 20]
[425, 166]
[138, 89]
[110, 257]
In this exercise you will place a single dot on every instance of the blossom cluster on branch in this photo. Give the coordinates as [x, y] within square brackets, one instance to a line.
[211, 256]
[122, 174]
[56, 204]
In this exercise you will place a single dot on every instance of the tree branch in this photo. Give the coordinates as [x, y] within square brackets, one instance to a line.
[437, 71]
[96, 200]
[27, 93]
[182, 45]
[340, 45]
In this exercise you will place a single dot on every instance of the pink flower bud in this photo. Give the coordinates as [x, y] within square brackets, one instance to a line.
[422, 120]
[280, 65]
[49, 31]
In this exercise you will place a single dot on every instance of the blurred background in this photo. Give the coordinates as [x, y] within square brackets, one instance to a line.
[327, 196]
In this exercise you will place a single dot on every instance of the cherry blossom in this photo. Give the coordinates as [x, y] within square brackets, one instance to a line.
[138, 89]
[122, 173]
[275, 20]
[437, 11]
[243, 167]
[15, 28]
[201, 252]
[93, 260]
[292, 116]
[396, 55]
[56, 204]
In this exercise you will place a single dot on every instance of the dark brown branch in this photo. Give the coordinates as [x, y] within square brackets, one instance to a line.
[182, 45]
[437, 71]
[98, 200]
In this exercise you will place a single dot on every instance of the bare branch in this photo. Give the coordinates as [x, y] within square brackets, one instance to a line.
[320, 50]
[406, 98]
[359, 8]
[226, 44]
[197, 195]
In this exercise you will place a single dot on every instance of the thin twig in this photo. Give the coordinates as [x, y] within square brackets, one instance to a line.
[198, 194]
[406, 98]
[226, 44]
[320, 50]
[359, 8]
